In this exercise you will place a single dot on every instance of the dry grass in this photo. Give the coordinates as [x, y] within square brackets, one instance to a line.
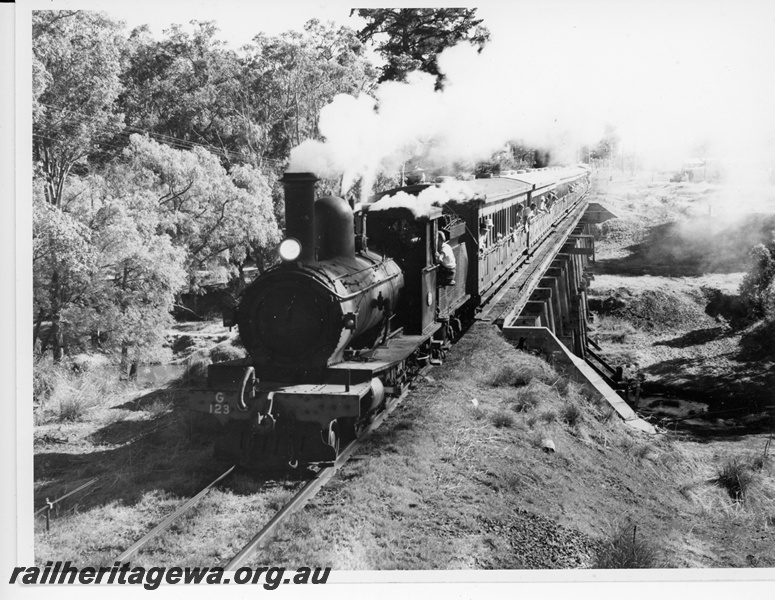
[734, 491]
[626, 548]
[734, 476]
[502, 419]
[159, 407]
[63, 394]
[741, 475]
[528, 371]
[571, 414]
[629, 229]
[536, 393]
[614, 330]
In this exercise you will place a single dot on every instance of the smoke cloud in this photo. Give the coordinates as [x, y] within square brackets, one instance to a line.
[677, 80]
[476, 114]
[423, 203]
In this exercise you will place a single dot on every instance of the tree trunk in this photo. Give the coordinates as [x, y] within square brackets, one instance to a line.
[124, 359]
[56, 309]
[38, 325]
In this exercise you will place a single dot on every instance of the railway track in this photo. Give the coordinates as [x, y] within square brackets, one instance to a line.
[310, 489]
[499, 303]
[170, 519]
[299, 499]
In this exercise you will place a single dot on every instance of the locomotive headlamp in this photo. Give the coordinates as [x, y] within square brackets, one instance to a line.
[349, 321]
[290, 249]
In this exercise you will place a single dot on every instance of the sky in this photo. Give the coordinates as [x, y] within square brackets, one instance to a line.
[673, 76]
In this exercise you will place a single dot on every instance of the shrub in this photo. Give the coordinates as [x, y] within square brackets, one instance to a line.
[535, 393]
[641, 451]
[196, 367]
[73, 398]
[735, 476]
[615, 330]
[67, 395]
[618, 229]
[607, 413]
[570, 414]
[44, 375]
[71, 409]
[524, 402]
[226, 351]
[625, 549]
[502, 419]
[757, 289]
[506, 376]
[159, 407]
[759, 461]
[528, 370]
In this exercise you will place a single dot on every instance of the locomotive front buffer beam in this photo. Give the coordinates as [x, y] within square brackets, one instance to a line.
[287, 424]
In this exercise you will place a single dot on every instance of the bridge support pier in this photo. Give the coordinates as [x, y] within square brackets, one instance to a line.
[554, 321]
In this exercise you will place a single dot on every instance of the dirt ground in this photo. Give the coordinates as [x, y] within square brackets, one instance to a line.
[665, 292]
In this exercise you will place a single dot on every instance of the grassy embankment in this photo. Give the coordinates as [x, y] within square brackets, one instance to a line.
[459, 479]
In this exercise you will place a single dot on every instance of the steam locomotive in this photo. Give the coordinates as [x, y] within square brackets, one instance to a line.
[360, 299]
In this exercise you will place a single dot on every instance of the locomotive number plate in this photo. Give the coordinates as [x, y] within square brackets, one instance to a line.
[219, 407]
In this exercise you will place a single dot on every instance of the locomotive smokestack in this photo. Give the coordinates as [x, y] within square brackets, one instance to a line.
[300, 211]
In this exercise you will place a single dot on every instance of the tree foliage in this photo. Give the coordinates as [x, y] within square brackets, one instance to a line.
[758, 286]
[156, 164]
[139, 271]
[253, 107]
[64, 262]
[103, 272]
[184, 88]
[214, 216]
[410, 39]
[289, 78]
[76, 70]
[608, 146]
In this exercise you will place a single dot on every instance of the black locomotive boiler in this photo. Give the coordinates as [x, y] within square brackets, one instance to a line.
[357, 302]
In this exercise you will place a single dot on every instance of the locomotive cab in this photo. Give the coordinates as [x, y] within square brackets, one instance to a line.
[409, 239]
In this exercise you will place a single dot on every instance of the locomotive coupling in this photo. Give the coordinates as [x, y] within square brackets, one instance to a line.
[264, 422]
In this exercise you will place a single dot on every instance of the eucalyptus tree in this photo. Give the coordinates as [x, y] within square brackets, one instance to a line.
[287, 80]
[215, 216]
[410, 39]
[182, 89]
[77, 62]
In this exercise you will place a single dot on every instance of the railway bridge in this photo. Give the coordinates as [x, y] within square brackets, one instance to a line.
[544, 309]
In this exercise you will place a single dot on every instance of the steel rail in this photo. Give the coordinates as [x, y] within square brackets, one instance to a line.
[310, 489]
[183, 508]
